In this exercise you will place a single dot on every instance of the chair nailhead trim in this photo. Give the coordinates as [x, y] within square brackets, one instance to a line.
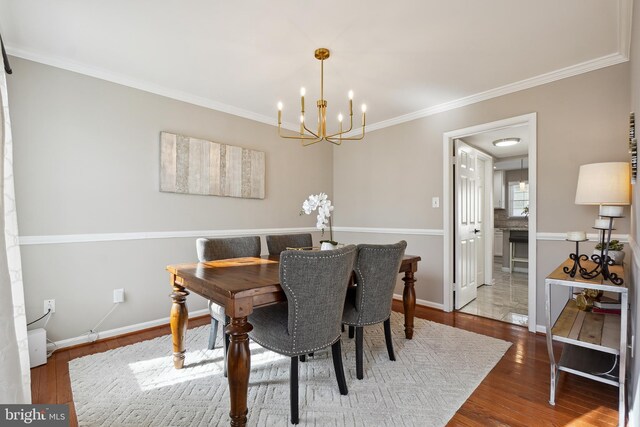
[299, 352]
[295, 300]
[363, 288]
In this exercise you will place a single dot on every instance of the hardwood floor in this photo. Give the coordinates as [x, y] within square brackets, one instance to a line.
[515, 393]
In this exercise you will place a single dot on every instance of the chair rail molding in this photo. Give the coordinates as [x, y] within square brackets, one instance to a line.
[594, 237]
[407, 231]
[145, 235]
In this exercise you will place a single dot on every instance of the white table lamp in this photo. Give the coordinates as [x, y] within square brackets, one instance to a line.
[604, 184]
[609, 186]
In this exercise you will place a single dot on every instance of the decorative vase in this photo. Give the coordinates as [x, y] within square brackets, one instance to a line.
[327, 246]
[616, 256]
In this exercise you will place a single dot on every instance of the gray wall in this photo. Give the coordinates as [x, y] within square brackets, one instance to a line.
[389, 180]
[87, 161]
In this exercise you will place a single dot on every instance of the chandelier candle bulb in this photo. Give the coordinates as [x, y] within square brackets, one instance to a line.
[576, 236]
[606, 210]
[603, 223]
[307, 136]
[340, 117]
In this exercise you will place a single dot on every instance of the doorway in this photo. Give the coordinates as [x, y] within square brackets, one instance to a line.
[514, 215]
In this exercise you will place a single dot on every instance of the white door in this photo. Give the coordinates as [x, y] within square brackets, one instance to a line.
[479, 206]
[466, 185]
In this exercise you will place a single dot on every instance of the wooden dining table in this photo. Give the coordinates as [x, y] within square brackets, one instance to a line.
[241, 285]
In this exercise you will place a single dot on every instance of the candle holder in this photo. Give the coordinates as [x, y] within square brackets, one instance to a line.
[603, 261]
[576, 258]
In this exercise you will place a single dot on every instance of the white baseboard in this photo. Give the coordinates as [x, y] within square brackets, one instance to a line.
[119, 331]
[542, 329]
[423, 302]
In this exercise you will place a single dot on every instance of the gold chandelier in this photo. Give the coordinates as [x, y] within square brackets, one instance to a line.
[308, 137]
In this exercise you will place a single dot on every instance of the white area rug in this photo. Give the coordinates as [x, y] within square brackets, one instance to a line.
[434, 374]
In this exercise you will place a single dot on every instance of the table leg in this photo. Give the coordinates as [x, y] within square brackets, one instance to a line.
[409, 303]
[178, 320]
[238, 368]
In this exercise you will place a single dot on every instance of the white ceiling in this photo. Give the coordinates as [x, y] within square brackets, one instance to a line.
[484, 142]
[405, 59]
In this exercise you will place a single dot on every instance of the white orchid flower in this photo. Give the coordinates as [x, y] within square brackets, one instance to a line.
[306, 207]
[322, 203]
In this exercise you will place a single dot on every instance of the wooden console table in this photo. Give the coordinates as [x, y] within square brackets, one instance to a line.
[590, 339]
[240, 285]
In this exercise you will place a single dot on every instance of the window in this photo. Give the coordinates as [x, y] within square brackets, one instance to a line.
[518, 199]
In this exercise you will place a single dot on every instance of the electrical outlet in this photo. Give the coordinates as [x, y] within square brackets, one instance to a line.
[435, 202]
[118, 296]
[49, 304]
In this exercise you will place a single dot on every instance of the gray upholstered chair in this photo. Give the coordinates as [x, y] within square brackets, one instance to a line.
[224, 248]
[369, 303]
[315, 284]
[278, 243]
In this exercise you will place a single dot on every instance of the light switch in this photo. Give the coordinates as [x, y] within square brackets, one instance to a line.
[435, 202]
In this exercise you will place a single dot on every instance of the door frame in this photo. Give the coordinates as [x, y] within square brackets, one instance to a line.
[448, 194]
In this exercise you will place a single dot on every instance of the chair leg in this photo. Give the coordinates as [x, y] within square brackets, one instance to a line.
[336, 351]
[351, 329]
[359, 342]
[226, 346]
[387, 339]
[213, 334]
[293, 392]
[342, 327]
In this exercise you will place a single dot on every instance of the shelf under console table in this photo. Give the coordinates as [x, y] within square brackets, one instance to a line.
[595, 344]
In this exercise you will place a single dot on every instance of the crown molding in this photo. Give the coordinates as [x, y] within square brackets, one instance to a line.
[143, 85]
[625, 19]
[625, 15]
[542, 79]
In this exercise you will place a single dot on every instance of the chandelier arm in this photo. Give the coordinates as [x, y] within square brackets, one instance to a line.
[344, 131]
[340, 133]
[311, 132]
[309, 137]
[335, 142]
[298, 136]
[354, 138]
[306, 144]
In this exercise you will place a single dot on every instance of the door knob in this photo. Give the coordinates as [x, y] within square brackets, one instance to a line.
[476, 231]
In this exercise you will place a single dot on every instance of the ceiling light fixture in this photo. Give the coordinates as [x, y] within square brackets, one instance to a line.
[308, 137]
[506, 142]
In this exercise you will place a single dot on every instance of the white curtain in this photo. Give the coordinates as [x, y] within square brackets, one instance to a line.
[15, 377]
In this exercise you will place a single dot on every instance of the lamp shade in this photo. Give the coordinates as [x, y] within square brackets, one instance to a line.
[604, 184]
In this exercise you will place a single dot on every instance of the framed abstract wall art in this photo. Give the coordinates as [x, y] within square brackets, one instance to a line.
[196, 166]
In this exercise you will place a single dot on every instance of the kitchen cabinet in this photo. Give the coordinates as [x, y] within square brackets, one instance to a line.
[497, 242]
[499, 190]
